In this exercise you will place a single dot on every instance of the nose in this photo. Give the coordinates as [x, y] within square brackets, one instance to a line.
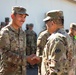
[23, 19]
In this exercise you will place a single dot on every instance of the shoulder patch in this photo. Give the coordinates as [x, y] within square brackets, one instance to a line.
[57, 51]
[57, 39]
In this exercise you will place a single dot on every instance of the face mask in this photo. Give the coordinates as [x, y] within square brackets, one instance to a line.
[75, 37]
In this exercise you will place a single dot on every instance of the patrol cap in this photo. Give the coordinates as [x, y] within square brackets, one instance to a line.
[73, 26]
[19, 10]
[31, 24]
[27, 24]
[53, 14]
[6, 19]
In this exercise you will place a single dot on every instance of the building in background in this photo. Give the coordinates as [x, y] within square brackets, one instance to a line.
[37, 9]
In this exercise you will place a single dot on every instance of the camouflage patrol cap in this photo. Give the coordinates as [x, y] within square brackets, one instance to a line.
[54, 14]
[73, 26]
[19, 10]
[27, 24]
[31, 24]
[6, 19]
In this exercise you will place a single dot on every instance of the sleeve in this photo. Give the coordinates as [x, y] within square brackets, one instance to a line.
[4, 40]
[35, 37]
[7, 54]
[56, 57]
[58, 52]
[40, 45]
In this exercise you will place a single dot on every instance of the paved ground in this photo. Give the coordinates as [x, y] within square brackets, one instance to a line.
[32, 71]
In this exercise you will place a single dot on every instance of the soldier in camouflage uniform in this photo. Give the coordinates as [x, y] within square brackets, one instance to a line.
[13, 44]
[27, 36]
[55, 60]
[31, 41]
[2, 25]
[72, 33]
[41, 41]
[27, 27]
[6, 20]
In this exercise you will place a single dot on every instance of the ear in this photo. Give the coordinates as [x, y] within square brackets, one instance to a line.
[52, 22]
[71, 29]
[12, 16]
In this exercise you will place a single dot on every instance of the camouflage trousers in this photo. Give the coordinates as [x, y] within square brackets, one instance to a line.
[39, 69]
[30, 50]
[72, 71]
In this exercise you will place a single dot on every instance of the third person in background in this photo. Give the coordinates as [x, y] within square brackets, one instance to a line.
[31, 41]
[41, 41]
[72, 33]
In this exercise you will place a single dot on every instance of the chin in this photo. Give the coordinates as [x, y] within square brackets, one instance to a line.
[20, 25]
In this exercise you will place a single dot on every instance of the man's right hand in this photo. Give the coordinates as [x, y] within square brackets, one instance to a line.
[33, 59]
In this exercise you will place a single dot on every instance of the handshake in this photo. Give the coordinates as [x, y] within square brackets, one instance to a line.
[33, 59]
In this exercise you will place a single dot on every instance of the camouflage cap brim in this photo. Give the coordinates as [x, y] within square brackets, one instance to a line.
[73, 26]
[47, 18]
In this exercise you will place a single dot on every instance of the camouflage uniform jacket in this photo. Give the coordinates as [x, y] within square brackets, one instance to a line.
[74, 45]
[73, 64]
[41, 41]
[31, 42]
[12, 47]
[55, 61]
